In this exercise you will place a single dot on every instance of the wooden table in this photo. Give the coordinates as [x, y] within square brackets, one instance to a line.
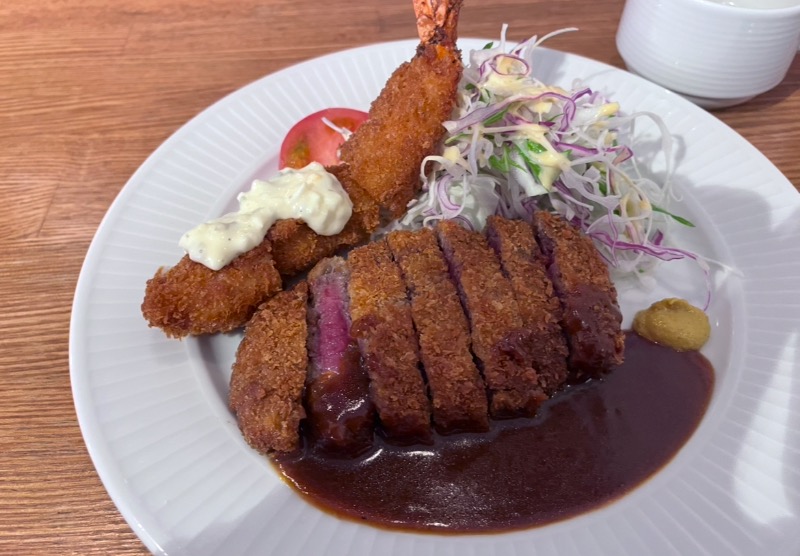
[89, 88]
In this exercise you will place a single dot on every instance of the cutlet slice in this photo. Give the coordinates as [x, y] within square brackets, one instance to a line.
[499, 339]
[591, 317]
[458, 394]
[269, 373]
[190, 298]
[340, 412]
[383, 327]
[522, 263]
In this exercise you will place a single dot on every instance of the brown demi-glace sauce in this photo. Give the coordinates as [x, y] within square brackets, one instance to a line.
[587, 446]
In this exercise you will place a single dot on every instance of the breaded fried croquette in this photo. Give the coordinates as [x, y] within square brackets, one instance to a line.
[384, 329]
[296, 247]
[190, 298]
[458, 395]
[270, 371]
[499, 339]
[523, 265]
[591, 316]
[405, 121]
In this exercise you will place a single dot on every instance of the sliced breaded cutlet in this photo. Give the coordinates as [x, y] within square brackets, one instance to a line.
[499, 339]
[522, 263]
[269, 373]
[382, 324]
[591, 317]
[458, 394]
[340, 411]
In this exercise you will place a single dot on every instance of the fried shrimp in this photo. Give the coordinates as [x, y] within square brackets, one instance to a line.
[405, 121]
[380, 172]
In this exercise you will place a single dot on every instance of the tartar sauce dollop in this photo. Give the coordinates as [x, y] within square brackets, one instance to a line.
[311, 194]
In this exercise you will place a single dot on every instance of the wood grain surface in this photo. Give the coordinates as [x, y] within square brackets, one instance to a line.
[89, 88]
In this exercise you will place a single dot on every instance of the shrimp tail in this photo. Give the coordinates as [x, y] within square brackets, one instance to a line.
[437, 21]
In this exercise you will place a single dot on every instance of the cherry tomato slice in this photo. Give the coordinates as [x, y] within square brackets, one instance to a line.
[310, 140]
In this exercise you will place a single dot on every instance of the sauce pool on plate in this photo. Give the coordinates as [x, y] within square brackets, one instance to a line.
[587, 446]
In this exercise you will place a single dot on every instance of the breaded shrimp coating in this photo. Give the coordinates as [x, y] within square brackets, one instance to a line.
[190, 298]
[404, 126]
[458, 394]
[270, 371]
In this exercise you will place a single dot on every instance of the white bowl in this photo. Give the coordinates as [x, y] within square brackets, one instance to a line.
[713, 54]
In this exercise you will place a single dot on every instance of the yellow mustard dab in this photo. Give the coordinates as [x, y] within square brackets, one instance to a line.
[674, 323]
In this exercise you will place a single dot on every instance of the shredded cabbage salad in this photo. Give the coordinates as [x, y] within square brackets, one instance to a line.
[516, 145]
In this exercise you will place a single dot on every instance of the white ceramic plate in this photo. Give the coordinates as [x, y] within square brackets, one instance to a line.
[153, 411]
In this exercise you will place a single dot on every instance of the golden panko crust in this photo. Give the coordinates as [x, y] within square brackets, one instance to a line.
[269, 373]
[190, 298]
[539, 308]
[591, 317]
[296, 247]
[499, 339]
[404, 126]
[458, 394]
[383, 326]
